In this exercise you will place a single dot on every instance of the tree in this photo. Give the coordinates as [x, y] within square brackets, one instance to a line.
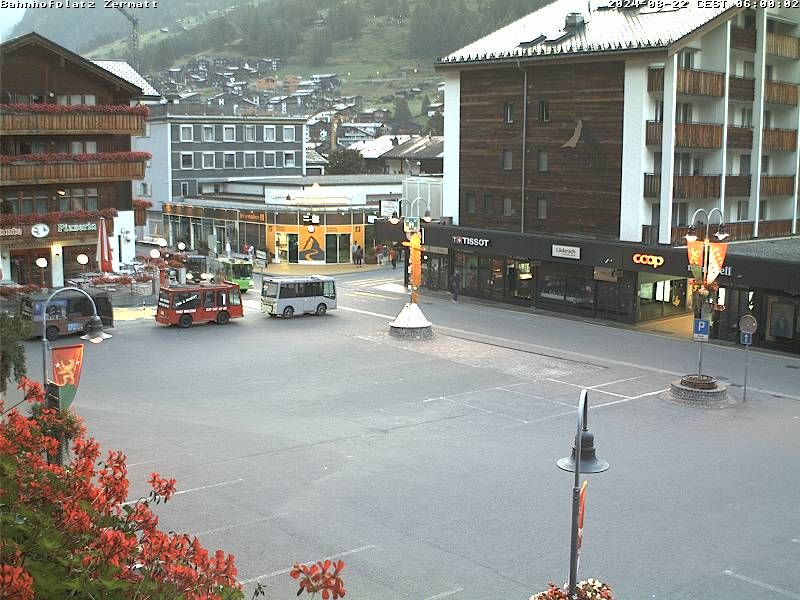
[345, 162]
[436, 125]
[426, 103]
[320, 47]
[12, 353]
[402, 114]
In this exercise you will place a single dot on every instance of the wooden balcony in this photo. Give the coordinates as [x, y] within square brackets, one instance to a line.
[698, 135]
[740, 137]
[683, 186]
[655, 79]
[741, 88]
[33, 123]
[653, 133]
[780, 140]
[777, 185]
[780, 92]
[737, 186]
[741, 230]
[701, 83]
[37, 173]
[785, 46]
[743, 38]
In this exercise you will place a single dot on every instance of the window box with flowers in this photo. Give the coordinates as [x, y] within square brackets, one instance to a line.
[25, 169]
[53, 218]
[140, 211]
[20, 119]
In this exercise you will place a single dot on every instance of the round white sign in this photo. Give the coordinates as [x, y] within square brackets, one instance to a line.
[748, 324]
[40, 230]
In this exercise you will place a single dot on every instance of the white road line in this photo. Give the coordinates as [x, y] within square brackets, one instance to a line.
[763, 585]
[583, 387]
[144, 462]
[331, 557]
[505, 389]
[796, 541]
[579, 355]
[445, 594]
[592, 387]
[491, 412]
[650, 394]
[197, 489]
[242, 524]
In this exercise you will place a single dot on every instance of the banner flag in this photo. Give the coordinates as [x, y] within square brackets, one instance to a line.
[716, 258]
[67, 364]
[695, 250]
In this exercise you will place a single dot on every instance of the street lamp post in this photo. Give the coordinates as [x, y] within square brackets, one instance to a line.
[582, 460]
[691, 236]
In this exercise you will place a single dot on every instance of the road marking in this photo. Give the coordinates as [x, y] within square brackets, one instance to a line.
[650, 394]
[445, 594]
[583, 387]
[579, 355]
[796, 541]
[505, 389]
[592, 387]
[331, 557]
[242, 524]
[144, 462]
[763, 585]
[372, 295]
[197, 489]
[491, 412]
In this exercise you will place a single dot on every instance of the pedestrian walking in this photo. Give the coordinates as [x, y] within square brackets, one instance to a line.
[353, 250]
[359, 255]
[393, 257]
[455, 285]
[379, 254]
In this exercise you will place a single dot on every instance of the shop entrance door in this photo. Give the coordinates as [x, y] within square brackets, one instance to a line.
[607, 300]
[344, 248]
[337, 247]
[497, 279]
[293, 254]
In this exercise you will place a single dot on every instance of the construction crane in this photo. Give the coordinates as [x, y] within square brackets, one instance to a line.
[133, 40]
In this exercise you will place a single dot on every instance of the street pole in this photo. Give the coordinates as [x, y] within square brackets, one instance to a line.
[576, 494]
[746, 362]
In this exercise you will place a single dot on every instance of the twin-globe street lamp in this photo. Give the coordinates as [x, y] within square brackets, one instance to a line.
[691, 237]
[411, 323]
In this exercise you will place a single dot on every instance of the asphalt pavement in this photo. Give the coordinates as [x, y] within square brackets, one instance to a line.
[429, 467]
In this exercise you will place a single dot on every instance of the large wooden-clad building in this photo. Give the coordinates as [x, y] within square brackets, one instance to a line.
[65, 158]
[576, 142]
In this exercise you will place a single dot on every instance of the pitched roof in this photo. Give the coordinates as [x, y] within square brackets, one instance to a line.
[418, 148]
[378, 146]
[315, 158]
[124, 70]
[542, 33]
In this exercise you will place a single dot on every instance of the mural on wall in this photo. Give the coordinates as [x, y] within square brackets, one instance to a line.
[311, 244]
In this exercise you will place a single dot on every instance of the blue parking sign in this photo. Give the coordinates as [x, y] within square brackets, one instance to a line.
[701, 330]
[745, 338]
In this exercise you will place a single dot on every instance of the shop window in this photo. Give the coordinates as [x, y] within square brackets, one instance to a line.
[783, 318]
[580, 292]
[507, 160]
[470, 198]
[553, 287]
[508, 112]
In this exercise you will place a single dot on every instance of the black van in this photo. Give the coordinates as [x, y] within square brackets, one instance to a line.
[67, 313]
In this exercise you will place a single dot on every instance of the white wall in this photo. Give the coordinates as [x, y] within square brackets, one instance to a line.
[636, 159]
[159, 171]
[452, 144]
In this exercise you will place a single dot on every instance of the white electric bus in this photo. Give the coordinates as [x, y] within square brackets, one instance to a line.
[287, 296]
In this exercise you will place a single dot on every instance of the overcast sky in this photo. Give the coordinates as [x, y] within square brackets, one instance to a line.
[8, 18]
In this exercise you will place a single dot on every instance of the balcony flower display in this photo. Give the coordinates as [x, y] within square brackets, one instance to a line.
[58, 217]
[590, 589]
[79, 108]
[6, 159]
[141, 204]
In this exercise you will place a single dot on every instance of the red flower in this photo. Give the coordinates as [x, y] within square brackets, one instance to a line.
[58, 217]
[76, 108]
[16, 583]
[84, 157]
[138, 203]
[315, 578]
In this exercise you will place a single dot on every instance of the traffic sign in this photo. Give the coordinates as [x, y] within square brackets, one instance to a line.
[748, 324]
[745, 338]
[701, 330]
[411, 224]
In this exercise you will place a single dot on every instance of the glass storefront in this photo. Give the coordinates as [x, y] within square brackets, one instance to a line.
[504, 279]
[660, 296]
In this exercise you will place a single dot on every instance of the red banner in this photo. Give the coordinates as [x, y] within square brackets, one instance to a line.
[67, 364]
[716, 258]
[695, 250]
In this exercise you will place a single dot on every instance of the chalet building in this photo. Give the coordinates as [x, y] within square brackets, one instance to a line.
[193, 143]
[66, 161]
[576, 143]
[422, 154]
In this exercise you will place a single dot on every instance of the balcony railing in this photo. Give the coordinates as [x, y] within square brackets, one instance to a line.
[32, 123]
[683, 186]
[742, 88]
[777, 185]
[701, 83]
[28, 173]
[740, 137]
[653, 133]
[780, 92]
[786, 46]
[743, 38]
[737, 186]
[780, 140]
[655, 79]
[738, 231]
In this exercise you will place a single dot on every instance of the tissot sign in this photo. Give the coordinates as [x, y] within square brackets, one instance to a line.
[463, 240]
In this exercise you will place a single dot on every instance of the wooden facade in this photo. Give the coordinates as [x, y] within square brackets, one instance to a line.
[740, 137]
[742, 88]
[69, 172]
[780, 140]
[780, 92]
[687, 135]
[786, 46]
[743, 38]
[741, 230]
[777, 185]
[573, 149]
[684, 187]
[77, 123]
[737, 186]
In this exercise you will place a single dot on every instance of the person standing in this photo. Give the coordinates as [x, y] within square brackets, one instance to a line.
[379, 254]
[359, 255]
[455, 285]
[393, 257]
[353, 250]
